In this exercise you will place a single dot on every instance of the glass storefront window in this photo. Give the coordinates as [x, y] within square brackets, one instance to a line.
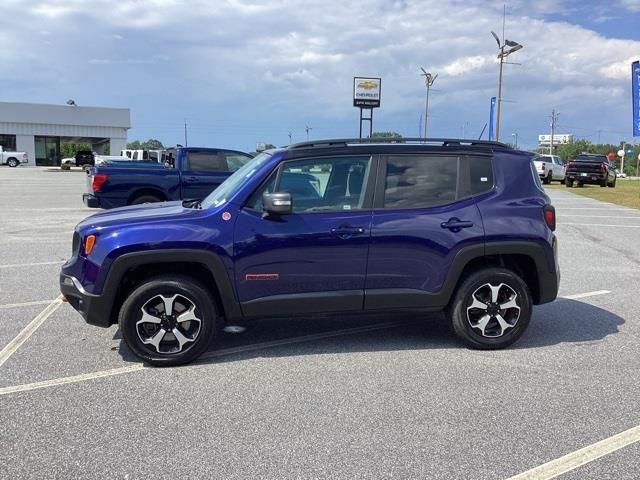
[47, 150]
[8, 142]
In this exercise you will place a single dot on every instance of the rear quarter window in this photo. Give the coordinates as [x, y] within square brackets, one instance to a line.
[432, 180]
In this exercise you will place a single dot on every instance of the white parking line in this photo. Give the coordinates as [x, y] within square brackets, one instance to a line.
[37, 264]
[73, 379]
[581, 457]
[598, 225]
[604, 207]
[218, 353]
[587, 294]
[572, 215]
[26, 304]
[27, 331]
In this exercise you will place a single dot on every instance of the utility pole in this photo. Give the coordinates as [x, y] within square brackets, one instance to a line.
[186, 144]
[290, 136]
[307, 129]
[429, 80]
[554, 119]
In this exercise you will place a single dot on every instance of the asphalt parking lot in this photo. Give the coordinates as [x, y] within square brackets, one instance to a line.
[342, 398]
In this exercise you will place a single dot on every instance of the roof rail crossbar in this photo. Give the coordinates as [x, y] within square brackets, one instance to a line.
[445, 142]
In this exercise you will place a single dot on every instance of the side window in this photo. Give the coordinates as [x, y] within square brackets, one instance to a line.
[207, 161]
[480, 174]
[420, 181]
[235, 161]
[326, 184]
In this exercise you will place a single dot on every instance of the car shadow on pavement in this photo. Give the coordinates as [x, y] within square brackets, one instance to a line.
[563, 321]
[569, 321]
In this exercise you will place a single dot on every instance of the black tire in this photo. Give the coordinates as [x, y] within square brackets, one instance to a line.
[603, 183]
[548, 178]
[13, 162]
[562, 181]
[568, 183]
[190, 295]
[462, 315]
[145, 199]
[613, 184]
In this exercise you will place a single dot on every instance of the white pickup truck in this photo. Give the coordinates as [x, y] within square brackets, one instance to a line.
[549, 167]
[13, 159]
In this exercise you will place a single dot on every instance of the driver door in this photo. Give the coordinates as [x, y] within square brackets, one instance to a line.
[312, 260]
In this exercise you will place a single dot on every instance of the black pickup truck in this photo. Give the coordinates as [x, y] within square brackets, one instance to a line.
[592, 169]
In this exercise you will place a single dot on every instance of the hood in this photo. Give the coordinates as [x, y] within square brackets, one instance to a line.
[136, 214]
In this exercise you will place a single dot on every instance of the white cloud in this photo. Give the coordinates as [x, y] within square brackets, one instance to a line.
[305, 53]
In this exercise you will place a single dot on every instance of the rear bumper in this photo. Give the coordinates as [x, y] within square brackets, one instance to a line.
[91, 201]
[91, 307]
[587, 177]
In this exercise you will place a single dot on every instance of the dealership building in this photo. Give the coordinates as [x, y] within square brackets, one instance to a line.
[39, 129]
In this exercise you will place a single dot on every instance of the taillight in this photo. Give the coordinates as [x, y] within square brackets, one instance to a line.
[602, 167]
[550, 216]
[542, 165]
[98, 180]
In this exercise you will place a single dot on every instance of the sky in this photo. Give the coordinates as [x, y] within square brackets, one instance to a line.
[242, 72]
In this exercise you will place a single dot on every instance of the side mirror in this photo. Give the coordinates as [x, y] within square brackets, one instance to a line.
[278, 203]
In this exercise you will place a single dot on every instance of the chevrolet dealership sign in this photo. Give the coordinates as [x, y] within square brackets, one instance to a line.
[366, 92]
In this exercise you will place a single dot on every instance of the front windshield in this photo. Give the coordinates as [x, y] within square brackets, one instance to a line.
[231, 185]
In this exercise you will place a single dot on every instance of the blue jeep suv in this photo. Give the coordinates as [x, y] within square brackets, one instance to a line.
[326, 227]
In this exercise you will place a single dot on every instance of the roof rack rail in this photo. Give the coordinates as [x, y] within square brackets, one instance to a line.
[444, 142]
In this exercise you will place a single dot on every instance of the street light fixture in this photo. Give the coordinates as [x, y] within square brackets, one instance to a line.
[429, 80]
[513, 47]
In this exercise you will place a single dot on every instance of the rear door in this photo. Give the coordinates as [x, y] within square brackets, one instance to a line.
[424, 213]
[203, 170]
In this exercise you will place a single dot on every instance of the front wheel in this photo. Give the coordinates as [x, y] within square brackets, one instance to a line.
[491, 309]
[168, 320]
[12, 162]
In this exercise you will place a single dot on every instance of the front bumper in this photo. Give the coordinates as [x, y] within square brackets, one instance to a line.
[90, 201]
[92, 307]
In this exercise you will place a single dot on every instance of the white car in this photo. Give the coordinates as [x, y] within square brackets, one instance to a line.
[549, 167]
[13, 159]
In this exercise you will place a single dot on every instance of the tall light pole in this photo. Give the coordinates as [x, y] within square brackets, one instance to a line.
[428, 82]
[516, 139]
[307, 129]
[502, 54]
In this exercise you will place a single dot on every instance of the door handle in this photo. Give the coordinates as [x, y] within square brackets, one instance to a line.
[455, 224]
[191, 179]
[347, 232]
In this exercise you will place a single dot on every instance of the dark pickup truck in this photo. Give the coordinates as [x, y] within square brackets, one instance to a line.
[590, 169]
[191, 173]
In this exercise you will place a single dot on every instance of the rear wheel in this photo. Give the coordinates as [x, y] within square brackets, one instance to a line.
[13, 162]
[548, 178]
[145, 199]
[491, 309]
[603, 183]
[613, 184]
[168, 320]
[568, 183]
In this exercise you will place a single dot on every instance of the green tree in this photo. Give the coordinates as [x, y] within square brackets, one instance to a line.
[135, 145]
[386, 135]
[69, 150]
[152, 144]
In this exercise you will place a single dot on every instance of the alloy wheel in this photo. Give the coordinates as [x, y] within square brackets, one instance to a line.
[168, 323]
[494, 309]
